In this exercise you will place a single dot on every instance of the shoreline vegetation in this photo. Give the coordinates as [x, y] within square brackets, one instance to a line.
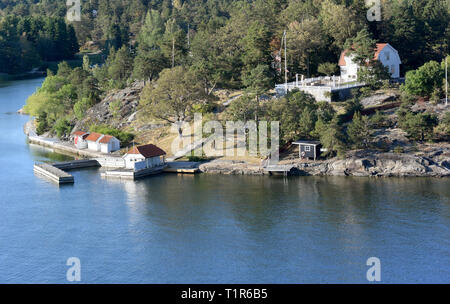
[434, 162]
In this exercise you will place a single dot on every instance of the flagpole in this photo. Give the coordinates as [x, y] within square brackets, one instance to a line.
[446, 82]
[285, 61]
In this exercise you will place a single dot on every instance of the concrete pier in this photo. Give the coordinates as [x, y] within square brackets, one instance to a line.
[77, 164]
[131, 174]
[53, 174]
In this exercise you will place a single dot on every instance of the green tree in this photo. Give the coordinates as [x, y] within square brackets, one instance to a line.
[305, 39]
[171, 98]
[359, 131]
[424, 80]
[120, 66]
[418, 126]
[328, 68]
[332, 138]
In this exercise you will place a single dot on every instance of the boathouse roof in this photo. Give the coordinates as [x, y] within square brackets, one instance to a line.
[94, 136]
[106, 139]
[147, 151]
[79, 133]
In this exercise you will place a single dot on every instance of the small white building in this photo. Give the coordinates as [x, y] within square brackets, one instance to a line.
[384, 53]
[93, 141]
[109, 144]
[79, 139]
[144, 157]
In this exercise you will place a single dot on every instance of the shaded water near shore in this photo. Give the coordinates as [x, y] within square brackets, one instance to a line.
[212, 228]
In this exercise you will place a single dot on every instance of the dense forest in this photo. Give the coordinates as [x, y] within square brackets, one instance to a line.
[27, 41]
[230, 44]
[228, 37]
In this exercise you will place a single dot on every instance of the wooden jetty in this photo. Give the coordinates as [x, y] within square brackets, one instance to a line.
[131, 174]
[278, 169]
[182, 167]
[54, 174]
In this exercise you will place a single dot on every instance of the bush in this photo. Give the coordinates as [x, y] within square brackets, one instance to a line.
[62, 127]
[424, 80]
[81, 107]
[399, 150]
[378, 120]
[418, 126]
[124, 137]
[42, 125]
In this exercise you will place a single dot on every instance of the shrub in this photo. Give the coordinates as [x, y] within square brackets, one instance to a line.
[378, 120]
[399, 149]
[81, 107]
[62, 127]
[124, 137]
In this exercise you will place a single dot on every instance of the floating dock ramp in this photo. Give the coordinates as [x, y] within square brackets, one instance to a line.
[54, 174]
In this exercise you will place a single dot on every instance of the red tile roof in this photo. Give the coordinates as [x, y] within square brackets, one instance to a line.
[94, 137]
[79, 133]
[379, 48]
[147, 151]
[106, 139]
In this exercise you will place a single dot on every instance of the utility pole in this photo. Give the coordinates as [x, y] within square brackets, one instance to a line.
[173, 52]
[285, 62]
[446, 82]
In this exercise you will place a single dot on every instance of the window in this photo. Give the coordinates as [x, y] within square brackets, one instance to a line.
[392, 69]
[388, 57]
[307, 148]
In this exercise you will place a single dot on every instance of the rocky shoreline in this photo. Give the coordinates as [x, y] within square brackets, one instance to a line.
[433, 162]
[369, 165]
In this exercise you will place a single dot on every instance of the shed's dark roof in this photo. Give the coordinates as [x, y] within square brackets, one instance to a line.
[306, 142]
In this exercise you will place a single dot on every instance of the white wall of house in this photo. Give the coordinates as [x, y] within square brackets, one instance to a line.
[389, 58]
[94, 146]
[349, 72]
[138, 162]
[111, 146]
[80, 142]
[131, 159]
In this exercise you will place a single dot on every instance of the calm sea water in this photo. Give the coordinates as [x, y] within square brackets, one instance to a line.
[212, 228]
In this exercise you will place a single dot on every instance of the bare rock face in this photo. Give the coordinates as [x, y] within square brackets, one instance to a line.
[118, 109]
[377, 99]
[366, 163]
[384, 164]
[230, 167]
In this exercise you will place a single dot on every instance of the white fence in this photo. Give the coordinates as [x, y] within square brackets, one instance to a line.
[111, 162]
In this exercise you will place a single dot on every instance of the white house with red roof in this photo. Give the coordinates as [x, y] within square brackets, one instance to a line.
[144, 157]
[384, 53]
[109, 144]
[79, 139]
[93, 141]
